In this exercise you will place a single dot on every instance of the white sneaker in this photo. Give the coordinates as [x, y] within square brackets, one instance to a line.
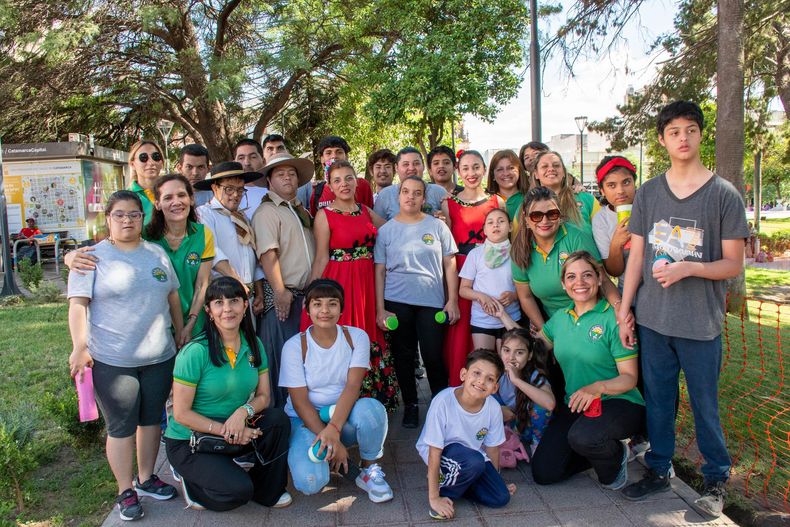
[191, 504]
[371, 480]
[284, 501]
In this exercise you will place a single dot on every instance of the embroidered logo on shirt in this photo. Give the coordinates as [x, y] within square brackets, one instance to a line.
[481, 434]
[596, 332]
[427, 239]
[193, 259]
[563, 256]
[159, 274]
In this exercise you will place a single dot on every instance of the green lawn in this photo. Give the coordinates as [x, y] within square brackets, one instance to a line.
[773, 225]
[762, 281]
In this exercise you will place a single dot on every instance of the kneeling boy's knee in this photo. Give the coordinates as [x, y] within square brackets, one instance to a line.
[311, 483]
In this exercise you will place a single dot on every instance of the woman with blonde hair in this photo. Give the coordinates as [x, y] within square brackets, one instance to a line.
[145, 165]
[577, 208]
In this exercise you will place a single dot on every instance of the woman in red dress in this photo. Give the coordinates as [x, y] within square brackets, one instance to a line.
[466, 212]
[345, 233]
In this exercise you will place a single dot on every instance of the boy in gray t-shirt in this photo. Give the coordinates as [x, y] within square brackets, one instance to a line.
[687, 236]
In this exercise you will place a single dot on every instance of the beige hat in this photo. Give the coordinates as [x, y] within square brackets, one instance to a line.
[304, 167]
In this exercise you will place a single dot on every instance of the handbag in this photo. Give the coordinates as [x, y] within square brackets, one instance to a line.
[512, 450]
[213, 444]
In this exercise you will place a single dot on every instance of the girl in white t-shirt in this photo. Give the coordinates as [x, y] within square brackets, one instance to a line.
[486, 279]
[323, 369]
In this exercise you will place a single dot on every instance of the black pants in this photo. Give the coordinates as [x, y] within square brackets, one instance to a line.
[572, 442]
[219, 484]
[417, 324]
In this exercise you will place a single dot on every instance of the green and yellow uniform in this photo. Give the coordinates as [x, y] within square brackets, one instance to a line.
[219, 390]
[196, 247]
[544, 271]
[588, 348]
[147, 197]
[588, 207]
[513, 204]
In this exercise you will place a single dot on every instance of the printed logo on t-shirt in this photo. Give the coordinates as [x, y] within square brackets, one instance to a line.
[563, 256]
[678, 238]
[427, 239]
[481, 434]
[159, 274]
[596, 332]
[193, 259]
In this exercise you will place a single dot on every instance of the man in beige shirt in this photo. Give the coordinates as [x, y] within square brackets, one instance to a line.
[285, 248]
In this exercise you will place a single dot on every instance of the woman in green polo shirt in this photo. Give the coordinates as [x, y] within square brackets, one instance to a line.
[540, 249]
[599, 372]
[145, 164]
[576, 207]
[189, 245]
[221, 387]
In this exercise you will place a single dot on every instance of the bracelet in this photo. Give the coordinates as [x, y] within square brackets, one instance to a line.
[334, 426]
[192, 315]
[210, 426]
[249, 408]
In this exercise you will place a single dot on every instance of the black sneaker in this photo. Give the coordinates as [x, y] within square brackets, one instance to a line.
[155, 488]
[245, 461]
[651, 483]
[129, 505]
[411, 416]
[711, 502]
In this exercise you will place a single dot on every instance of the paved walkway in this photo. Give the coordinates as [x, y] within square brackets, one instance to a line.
[579, 501]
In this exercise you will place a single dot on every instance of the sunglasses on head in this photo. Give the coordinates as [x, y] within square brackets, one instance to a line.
[143, 157]
[552, 215]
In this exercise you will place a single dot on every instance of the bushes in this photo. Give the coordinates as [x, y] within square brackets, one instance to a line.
[62, 408]
[31, 274]
[776, 243]
[17, 456]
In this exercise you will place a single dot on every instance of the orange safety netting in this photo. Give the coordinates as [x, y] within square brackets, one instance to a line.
[753, 403]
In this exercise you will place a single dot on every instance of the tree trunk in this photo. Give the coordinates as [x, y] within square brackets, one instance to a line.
[729, 116]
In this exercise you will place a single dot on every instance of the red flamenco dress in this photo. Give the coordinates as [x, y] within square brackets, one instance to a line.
[467, 220]
[351, 240]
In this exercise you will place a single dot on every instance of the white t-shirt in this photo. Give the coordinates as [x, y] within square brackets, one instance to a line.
[447, 422]
[492, 282]
[252, 199]
[603, 225]
[324, 371]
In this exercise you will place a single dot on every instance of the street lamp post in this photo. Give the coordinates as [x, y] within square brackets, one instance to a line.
[581, 124]
[165, 127]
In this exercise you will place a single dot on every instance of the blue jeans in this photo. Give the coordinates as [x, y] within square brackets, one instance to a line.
[366, 426]
[464, 472]
[662, 359]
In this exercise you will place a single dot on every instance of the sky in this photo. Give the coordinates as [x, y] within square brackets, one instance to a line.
[598, 85]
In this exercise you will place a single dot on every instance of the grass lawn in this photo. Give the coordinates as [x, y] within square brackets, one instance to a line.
[761, 281]
[773, 225]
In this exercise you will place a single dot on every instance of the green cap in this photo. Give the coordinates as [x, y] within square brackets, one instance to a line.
[440, 317]
[391, 322]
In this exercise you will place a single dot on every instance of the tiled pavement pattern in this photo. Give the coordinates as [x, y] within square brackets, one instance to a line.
[579, 501]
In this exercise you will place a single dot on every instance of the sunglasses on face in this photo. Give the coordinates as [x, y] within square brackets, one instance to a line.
[143, 157]
[537, 215]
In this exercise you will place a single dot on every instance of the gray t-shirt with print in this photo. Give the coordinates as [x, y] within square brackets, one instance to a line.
[689, 229]
[128, 314]
[412, 255]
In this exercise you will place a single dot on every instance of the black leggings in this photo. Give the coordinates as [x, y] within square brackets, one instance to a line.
[219, 484]
[417, 324]
[572, 442]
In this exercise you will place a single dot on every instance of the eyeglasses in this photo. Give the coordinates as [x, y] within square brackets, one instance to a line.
[143, 157]
[233, 191]
[120, 216]
[552, 215]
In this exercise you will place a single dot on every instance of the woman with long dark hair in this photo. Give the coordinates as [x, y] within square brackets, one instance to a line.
[508, 180]
[221, 387]
[189, 245]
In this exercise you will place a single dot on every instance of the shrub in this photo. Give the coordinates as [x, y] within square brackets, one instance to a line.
[46, 292]
[31, 274]
[17, 456]
[63, 410]
[776, 243]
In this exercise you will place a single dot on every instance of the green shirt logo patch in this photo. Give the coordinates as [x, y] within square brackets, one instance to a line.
[193, 259]
[596, 332]
[481, 434]
[563, 256]
[427, 239]
[159, 274]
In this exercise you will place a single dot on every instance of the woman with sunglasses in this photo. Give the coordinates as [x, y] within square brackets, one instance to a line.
[540, 249]
[221, 386]
[145, 163]
[131, 298]
[189, 245]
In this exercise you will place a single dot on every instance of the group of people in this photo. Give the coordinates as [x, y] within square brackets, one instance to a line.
[289, 315]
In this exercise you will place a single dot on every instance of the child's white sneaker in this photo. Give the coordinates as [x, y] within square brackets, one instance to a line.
[371, 480]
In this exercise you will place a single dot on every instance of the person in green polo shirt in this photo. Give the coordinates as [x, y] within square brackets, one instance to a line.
[145, 162]
[221, 387]
[538, 252]
[599, 371]
[189, 245]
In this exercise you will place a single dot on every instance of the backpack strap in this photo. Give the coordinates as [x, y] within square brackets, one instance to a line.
[303, 339]
[347, 334]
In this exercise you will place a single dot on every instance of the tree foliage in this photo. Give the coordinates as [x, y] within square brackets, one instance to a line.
[221, 69]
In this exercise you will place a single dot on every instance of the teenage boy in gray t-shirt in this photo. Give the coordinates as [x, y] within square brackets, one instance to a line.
[687, 236]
